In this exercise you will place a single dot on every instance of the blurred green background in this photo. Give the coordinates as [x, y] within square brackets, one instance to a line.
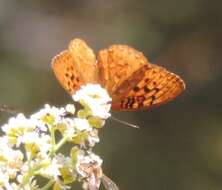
[179, 145]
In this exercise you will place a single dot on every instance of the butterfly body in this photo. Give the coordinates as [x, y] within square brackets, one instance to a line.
[130, 79]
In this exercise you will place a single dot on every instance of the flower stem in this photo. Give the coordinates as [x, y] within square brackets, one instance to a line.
[61, 143]
[58, 146]
[29, 173]
[48, 185]
[52, 133]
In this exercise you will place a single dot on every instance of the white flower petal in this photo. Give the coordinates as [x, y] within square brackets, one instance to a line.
[96, 98]
[82, 124]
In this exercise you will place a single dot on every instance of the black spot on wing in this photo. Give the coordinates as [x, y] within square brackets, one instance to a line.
[136, 89]
[128, 102]
[146, 89]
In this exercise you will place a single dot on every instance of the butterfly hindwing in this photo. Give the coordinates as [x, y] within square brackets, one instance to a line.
[157, 86]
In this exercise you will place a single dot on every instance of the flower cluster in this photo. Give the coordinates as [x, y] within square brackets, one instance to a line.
[30, 147]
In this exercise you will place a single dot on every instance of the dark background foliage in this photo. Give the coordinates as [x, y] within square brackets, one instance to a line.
[179, 145]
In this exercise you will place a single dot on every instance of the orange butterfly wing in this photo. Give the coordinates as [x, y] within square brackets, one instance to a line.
[117, 65]
[66, 72]
[157, 86]
[85, 60]
[75, 66]
[133, 82]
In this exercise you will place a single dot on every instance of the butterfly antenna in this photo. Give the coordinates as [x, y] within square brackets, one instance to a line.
[125, 123]
[7, 109]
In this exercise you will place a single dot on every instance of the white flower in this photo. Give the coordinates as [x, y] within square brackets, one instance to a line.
[37, 136]
[4, 179]
[94, 91]
[41, 142]
[30, 138]
[60, 168]
[62, 160]
[11, 155]
[48, 110]
[4, 143]
[11, 161]
[101, 111]
[69, 122]
[82, 124]
[96, 98]
[52, 110]
[70, 108]
[70, 133]
[52, 169]
[40, 125]
[29, 186]
[18, 125]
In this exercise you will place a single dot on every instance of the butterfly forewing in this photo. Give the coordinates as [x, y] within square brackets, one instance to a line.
[117, 64]
[66, 72]
[85, 60]
[75, 66]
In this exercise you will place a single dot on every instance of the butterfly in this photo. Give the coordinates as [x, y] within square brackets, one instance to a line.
[130, 79]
